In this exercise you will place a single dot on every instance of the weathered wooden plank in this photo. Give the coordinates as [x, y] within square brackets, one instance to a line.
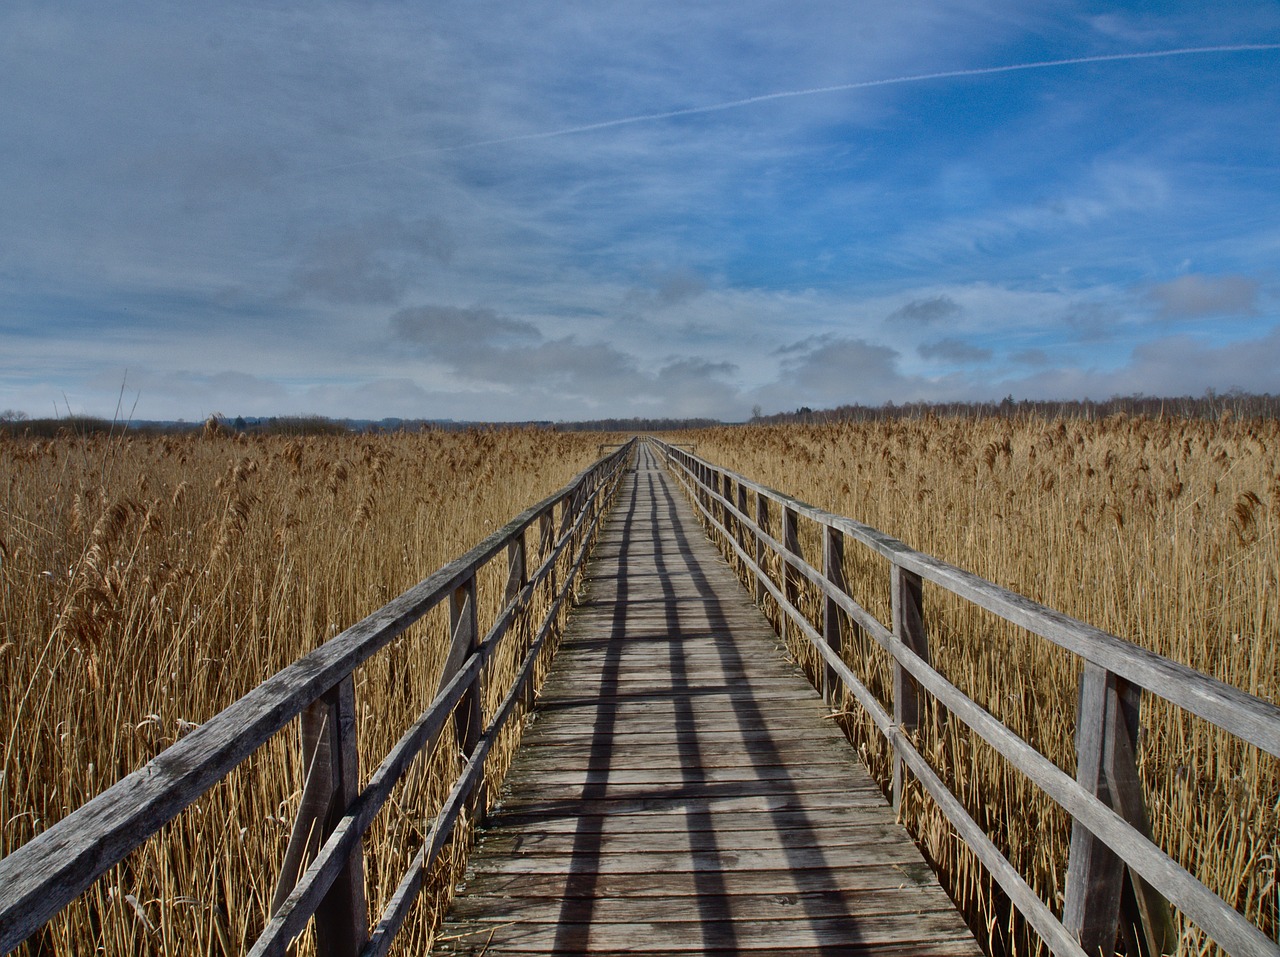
[914, 876]
[682, 788]
[841, 817]
[698, 935]
[836, 902]
[711, 837]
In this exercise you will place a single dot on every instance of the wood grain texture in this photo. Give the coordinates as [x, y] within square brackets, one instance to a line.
[682, 789]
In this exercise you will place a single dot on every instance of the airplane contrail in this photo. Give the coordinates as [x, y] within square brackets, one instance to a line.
[817, 90]
[860, 85]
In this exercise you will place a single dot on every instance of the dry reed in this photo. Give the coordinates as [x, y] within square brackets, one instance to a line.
[1162, 531]
[146, 583]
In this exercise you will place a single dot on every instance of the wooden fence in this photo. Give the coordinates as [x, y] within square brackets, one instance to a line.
[51, 870]
[1110, 831]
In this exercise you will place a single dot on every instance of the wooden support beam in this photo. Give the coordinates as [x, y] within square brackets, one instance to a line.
[908, 626]
[468, 719]
[332, 784]
[517, 578]
[739, 524]
[790, 576]
[832, 634]
[1102, 900]
[762, 522]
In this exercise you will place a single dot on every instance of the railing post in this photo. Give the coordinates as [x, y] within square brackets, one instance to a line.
[908, 626]
[468, 717]
[762, 522]
[790, 577]
[833, 571]
[1099, 901]
[718, 485]
[332, 783]
[517, 578]
[739, 523]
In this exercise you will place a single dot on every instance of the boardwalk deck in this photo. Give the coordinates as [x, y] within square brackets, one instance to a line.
[681, 789]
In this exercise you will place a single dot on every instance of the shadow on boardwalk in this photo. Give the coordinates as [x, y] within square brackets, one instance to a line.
[681, 790]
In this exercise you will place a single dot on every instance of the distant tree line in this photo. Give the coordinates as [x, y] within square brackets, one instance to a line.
[636, 425]
[1211, 405]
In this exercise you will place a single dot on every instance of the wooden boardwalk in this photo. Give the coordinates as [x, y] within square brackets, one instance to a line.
[681, 789]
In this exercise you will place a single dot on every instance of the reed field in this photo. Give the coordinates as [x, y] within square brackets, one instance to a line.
[1163, 531]
[148, 582]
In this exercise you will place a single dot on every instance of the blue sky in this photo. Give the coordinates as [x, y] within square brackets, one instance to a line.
[405, 209]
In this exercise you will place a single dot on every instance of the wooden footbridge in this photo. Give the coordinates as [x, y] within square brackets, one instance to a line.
[680, 787]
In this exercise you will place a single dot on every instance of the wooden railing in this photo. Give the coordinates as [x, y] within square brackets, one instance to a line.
[44, 875]
[1110, 831]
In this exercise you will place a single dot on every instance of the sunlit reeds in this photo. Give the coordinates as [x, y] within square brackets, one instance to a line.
[146, 583]
[1165, 532]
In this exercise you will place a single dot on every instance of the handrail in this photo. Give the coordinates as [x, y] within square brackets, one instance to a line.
[44, 875]
[1104, 800]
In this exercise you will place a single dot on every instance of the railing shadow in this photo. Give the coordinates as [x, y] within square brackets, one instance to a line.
[812, 880]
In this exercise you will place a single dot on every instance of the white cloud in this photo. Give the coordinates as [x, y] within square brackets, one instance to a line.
[1170, 366]
[258, 188]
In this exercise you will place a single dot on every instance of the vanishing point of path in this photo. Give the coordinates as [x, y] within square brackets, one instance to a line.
[681, 789]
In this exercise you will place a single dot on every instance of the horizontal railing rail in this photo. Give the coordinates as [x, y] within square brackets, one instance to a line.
[1110, 830]
[40, 878]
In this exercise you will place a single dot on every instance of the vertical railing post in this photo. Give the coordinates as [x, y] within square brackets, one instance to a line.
[762, 522]
[468, 716]
[833, 571]
[908, 626]
[517, 579]
[332, 783]
[1099, 901]
[740, 524]
[790, 576]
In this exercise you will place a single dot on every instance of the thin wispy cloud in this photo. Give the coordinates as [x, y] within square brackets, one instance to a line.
[819, 91]
[374, 209]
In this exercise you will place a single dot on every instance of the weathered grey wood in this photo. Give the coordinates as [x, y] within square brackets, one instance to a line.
[42, 876]
[1106, 736]
[761, 529]
[740, 527]
[832, 631]
[908, 626]
[1260, 721]
[471, 776]
[673, 738]
[342, 917]
[290, 918]
[317, 791]
[1095, 874]
[792, 557]
[1145, 915]
[1247, 716]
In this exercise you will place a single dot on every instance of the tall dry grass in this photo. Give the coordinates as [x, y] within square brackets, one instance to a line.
[146, 583]
[1164, 532]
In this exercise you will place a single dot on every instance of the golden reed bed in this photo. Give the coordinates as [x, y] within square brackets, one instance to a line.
[1164, 532]
[146, 583]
